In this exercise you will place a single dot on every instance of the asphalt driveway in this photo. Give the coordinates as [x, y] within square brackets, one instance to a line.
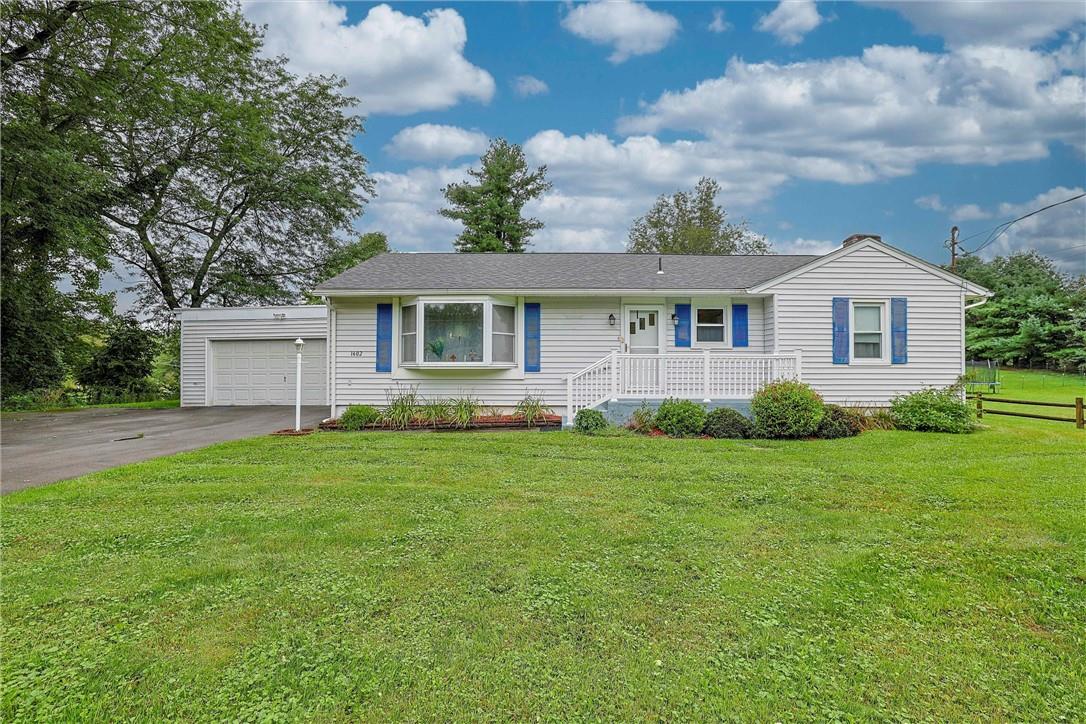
[43, 447]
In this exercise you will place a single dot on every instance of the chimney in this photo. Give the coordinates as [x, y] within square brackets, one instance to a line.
[860, 237]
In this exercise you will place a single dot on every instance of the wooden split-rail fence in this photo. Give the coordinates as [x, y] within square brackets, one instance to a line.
[1077, 406]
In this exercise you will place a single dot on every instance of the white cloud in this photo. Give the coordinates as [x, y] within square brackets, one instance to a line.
[719, 23]
[931, 203]
[1059, 233]
[969, 212]
[791, 20]
[432, 142]
[991, 23]
[631, 28]
[529, 85]
[879, 115]
[805, 246]
[394, 63]
[406, 209]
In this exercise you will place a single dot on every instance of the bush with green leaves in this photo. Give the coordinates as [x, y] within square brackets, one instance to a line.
[533, 410]
[840, 422]
[123, 363]
[464, 410]
[356, 417]
[643, 420]
[402, 407]
[933, 410]
[680, 418]
[724, 422]
[786, 409]
[589, 421]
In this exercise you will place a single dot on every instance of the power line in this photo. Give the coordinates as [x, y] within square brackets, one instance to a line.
[1002, 228]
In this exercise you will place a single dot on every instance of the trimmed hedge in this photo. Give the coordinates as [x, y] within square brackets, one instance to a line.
[680, 418]
[839, 422]
[933, 410]
[725, 422]
[589, 421]
[356, 417]
[786, 409]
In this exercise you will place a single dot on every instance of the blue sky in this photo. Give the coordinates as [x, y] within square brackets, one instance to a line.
[819, 120]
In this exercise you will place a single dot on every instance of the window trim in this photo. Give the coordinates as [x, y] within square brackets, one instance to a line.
[488, 303]
[723, 304]
[884, 322]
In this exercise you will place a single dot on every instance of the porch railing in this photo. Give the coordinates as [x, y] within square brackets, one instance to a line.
[706, 375]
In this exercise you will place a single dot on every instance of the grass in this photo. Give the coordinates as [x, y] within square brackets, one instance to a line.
[454, 576]
[145, 405]
[1037, 386]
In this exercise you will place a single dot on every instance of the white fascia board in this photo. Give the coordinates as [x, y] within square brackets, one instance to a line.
[971, 290]
[307, 311]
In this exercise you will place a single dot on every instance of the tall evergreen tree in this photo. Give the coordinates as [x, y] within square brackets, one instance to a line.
[691, 222]
[490, 208]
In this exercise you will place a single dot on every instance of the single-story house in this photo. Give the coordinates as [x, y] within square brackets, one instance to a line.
[860, 324]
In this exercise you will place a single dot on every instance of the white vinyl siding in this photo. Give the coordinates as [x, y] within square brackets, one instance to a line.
[804, 317]
[574, 333]
[201, 328]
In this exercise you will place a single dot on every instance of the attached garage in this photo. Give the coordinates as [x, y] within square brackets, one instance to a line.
[246, 355]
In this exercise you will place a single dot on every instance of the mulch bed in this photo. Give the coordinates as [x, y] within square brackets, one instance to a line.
[488, 422]
[291, 432]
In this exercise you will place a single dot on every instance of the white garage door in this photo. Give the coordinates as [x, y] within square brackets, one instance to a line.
[262, 372]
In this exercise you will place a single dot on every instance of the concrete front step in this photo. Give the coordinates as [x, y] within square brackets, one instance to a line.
[618, 412]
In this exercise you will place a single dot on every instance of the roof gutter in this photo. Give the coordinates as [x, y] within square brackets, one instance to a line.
[526, 292]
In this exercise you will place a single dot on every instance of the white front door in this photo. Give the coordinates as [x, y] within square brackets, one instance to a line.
[643, 327]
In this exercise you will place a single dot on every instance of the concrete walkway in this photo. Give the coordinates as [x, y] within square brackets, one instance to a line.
[43, 447]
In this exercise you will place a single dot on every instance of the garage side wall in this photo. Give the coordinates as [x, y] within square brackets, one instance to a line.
[199, 327]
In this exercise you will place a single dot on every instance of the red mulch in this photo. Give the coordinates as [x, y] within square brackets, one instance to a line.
[291, 432]
[486, 422]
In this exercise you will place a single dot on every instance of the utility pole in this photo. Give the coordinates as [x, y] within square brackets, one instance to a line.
[954, 250]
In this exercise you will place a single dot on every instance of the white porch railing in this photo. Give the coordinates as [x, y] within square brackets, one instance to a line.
[690, 375]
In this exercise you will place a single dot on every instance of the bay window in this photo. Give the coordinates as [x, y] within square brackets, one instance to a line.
[477, 332]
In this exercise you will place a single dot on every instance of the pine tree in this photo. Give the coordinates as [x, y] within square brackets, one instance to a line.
[490, 205]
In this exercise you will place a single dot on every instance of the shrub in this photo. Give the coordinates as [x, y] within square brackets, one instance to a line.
[680, 418]
[402, 408]
[643, 420]
[879, 420]
[532, 410]
[726, 422]
[839, 422]
[932, 410]
[589, 422]
[123, 363]
[786, 409]
[356, 417]
[463, 411]
[435, 411]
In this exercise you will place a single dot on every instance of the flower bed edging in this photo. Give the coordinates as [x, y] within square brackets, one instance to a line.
[491, 422]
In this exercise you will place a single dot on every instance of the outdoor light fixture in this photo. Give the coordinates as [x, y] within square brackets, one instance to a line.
[674, 319]
[611, 319]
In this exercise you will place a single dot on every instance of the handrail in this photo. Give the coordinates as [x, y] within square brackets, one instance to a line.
[704, 374]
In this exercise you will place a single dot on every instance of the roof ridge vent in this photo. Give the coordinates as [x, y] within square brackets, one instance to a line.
[860, 237]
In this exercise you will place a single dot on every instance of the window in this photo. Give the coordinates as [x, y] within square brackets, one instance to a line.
[408, 333]
[867, 330]
[453, 332]
[504, 333]
[710, 324]
[473, 332]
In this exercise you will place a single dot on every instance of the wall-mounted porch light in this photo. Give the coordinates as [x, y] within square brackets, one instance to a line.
[611, 319]
[674, 319]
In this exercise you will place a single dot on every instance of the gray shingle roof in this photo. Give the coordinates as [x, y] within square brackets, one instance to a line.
[565, 271]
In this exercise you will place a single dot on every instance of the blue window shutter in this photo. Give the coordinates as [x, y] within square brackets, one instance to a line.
[739, 326]
[840, 331]
[384, 337]
[531, 337]
[899, 330]
[682, 329]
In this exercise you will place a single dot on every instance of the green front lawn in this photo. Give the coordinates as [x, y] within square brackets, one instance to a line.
[466, 576]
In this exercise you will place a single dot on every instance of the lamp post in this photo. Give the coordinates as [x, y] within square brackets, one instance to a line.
[298, 344]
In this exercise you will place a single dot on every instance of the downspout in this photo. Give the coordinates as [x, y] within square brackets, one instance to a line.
[983, 300]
